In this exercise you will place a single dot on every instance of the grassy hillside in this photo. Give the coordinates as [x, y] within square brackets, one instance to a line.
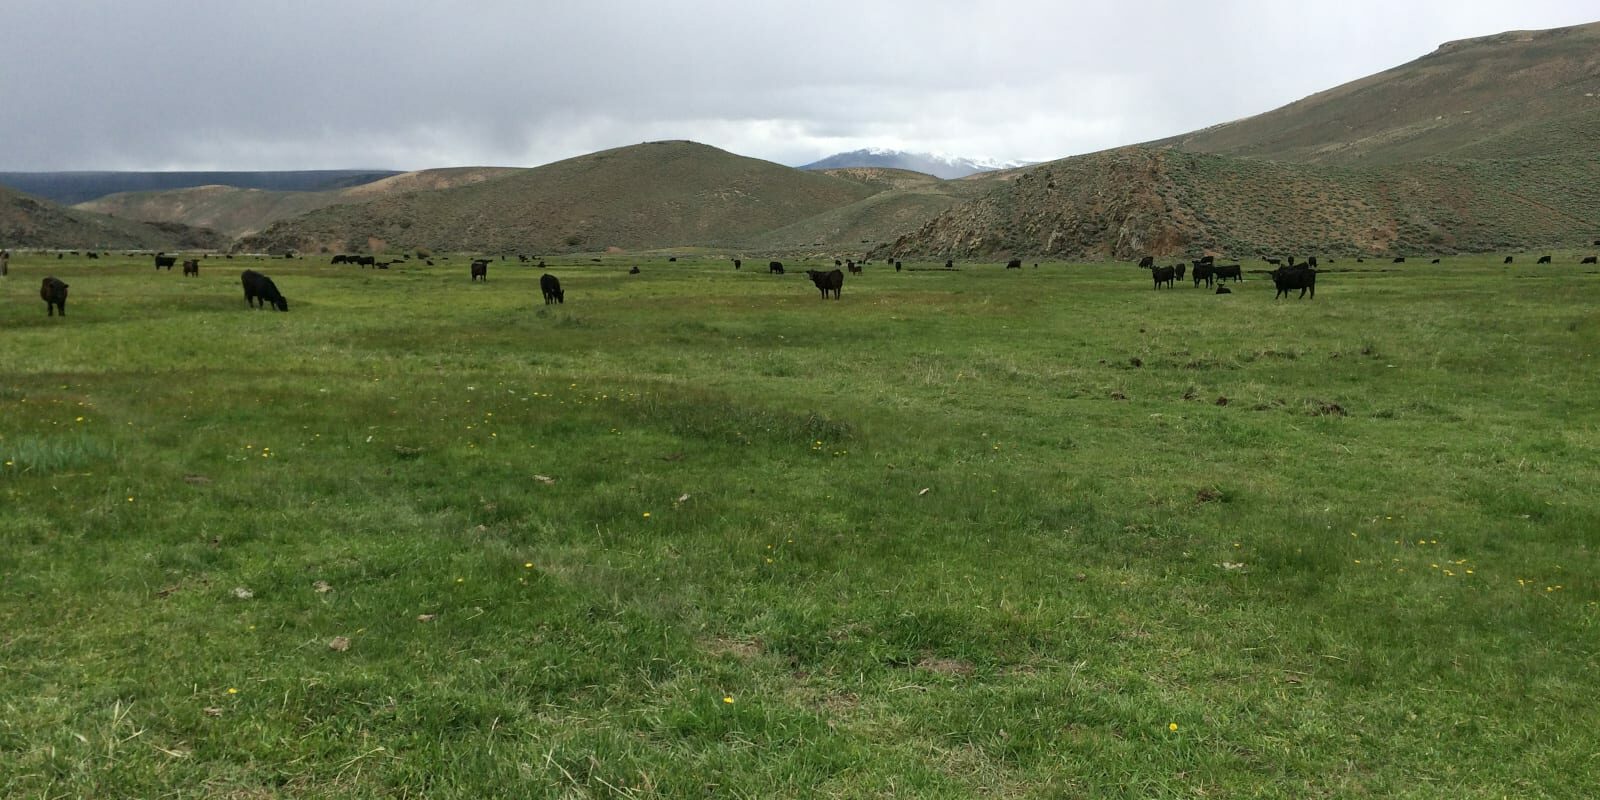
[696, 533]
[27, 221]
[239, 212]
[1136, 201]
[659, 194]
[1524, 93]
[78, 187]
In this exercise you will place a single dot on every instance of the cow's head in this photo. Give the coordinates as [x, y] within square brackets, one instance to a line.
[281, 304]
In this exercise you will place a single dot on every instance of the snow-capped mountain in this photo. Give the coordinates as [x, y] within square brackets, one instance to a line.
[935, 164]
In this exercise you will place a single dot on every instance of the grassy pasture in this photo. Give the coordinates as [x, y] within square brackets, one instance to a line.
[695, 533]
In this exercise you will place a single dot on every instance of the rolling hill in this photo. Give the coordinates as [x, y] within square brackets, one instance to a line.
[78, 187]
[27, 221]
[1141, 200]
[239, 212]
[1486, 144]
[1511, 95]
[935, 164]
[659, 194]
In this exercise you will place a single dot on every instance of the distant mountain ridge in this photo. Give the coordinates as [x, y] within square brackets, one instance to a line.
[935, 164]
[71, 188]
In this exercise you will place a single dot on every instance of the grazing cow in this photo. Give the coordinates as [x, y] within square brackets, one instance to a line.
[836, 263]
[1507, 261]
[1435, 261]
[830, 281]
[5, 262]
[1361, 261]
[855, 269]
[1015, 263]
[1276, 262]
[1312, 262]
[1226, 271]
[1204, 273]
[93, 254]
[737, 263]
[260, 291]
[166, 261]
[1543, 260]
[673, 259]
[949, 263]
[522, 258]
[54, 293]
[634, 271]
[340, 259]
[191, 267]
[1162, 275]
[365, 261]
[1587, 260]
[1400, 260]
[480, 271]
[1224, 290]
[551, 286]
[1147, 262]
[775, 267]
[896, 266]
[1177, 269]
[1287, 279]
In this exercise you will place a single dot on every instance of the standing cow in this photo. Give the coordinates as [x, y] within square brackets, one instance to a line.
[54, 293]
[480, 270]
[830, 281]
[551, 286]
[166, 261]
[775, 267]
[191, 266]
[260, 291]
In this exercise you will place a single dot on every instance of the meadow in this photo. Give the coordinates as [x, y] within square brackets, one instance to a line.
[696, 532]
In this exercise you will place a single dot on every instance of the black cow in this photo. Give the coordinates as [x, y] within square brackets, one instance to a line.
[896, 266]
[551, 286]
[1162, 275]
[853, 267]
[1204, 273]
[340, 259]
[1400, 260]
[166, 261]
[1507, 261]
[54, 293]
[260, 291]
[1015, 263]
[775, 267]
[836, 263]
[1177, 270]
[1226, 271]
[191, 267]
[737, 263]
[1435, 261]
[365, 261]
[93, 254]
[1587, 260]
[1287, 279]
[1147, 262]
[1208, 259]
[1224, 290]
[1312, 262]
[634, 271]
[949, 263]
[1597, 243]
[1274, 261]
[830, 281]
[673, 259]
[1543, 260]
[480, 270]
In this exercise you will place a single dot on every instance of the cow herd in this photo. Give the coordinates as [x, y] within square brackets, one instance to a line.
[260, 291]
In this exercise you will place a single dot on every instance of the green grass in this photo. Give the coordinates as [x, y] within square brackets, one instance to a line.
[982, 533]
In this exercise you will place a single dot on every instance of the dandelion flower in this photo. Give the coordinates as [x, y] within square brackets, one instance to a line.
[232, 690]
[1172, 726]
[527, 565]
[646, 515]
[728, 699]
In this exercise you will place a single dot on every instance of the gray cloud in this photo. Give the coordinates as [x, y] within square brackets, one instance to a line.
[297, 84]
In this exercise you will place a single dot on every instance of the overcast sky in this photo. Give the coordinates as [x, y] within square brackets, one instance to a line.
[404, 84]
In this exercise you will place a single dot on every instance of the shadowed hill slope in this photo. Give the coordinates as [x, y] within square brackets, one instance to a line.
[659, 194]
[27, 221]
[239, 212]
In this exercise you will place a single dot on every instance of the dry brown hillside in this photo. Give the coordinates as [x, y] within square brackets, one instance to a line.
[1140, 200]
[27, 221]
[1510, 95]
[239, 212]
[660, 194]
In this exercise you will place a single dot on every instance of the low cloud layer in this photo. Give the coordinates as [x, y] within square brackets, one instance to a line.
[194, 84]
